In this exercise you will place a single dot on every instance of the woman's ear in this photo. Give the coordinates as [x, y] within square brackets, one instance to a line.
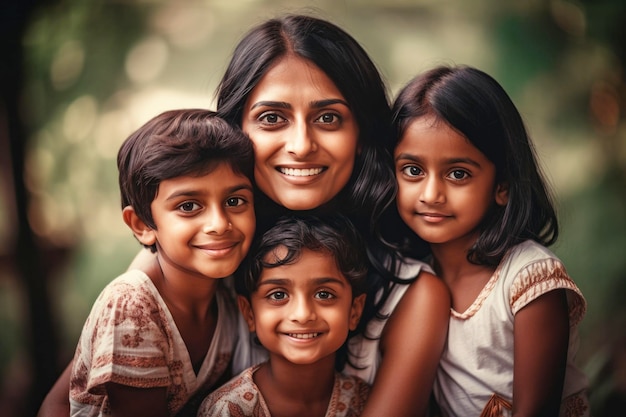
[502, 194]
[246, 311]
[358, 303]
[144, 233]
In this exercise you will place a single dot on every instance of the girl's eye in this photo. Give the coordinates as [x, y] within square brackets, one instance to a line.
[235, 201]
[324, 295]
[458, 174]
[411, 171]
[188, 207]
[278, 296]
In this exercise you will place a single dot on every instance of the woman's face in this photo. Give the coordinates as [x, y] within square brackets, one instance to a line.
[304, 133]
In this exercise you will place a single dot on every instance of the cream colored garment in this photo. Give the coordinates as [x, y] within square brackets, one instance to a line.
[130, 338]
[242, 397]
[478, 358]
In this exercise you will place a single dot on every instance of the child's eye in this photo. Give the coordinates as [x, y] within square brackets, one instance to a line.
[324, 295]
[411, 171]
[188, 207]
[277, 296]
[235, 201]
[458, 174]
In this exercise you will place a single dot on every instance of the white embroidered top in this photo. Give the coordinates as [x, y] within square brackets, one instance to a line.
[477, 363]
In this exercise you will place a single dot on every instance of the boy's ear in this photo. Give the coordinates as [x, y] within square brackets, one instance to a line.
[358, 303]
[502, 193]
[246, 311]
[144, 233]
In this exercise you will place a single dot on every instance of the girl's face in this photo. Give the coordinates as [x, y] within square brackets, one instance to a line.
[304, 133]
[445, 184]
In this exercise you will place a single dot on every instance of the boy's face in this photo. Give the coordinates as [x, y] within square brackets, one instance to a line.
[205, 224]
[302, 312]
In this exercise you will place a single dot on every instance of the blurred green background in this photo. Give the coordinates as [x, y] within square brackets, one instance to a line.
[78, 76]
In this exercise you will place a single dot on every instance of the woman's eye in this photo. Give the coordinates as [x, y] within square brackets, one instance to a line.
[328, 118]
[188, 206]
[458, 174]
[270, 118]
[411, 171]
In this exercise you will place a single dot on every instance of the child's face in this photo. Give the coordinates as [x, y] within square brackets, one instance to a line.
[302, 312]
[205, 224]
[446, 185]
[305, 135]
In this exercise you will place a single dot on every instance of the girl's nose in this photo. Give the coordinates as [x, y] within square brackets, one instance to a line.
[432, 191]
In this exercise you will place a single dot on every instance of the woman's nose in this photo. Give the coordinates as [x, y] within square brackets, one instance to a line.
[300, 141]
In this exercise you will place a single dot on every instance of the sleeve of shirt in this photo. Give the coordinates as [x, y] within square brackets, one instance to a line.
[541, 276]
[126, 337]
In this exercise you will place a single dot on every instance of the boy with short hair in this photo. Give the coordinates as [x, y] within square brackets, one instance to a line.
[302, 290]
[152, 342]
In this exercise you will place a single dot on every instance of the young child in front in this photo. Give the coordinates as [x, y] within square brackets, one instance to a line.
[302, 290]
[470, 185]
[151, 342]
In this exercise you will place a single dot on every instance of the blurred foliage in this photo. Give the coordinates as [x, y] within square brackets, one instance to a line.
[97, 70]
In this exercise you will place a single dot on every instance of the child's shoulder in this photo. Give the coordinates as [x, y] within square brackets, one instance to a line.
[531, 270]
[239, 395]
[529, 254]
[132, 280]
[133, 287]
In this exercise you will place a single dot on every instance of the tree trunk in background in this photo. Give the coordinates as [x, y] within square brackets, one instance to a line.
[27, 255]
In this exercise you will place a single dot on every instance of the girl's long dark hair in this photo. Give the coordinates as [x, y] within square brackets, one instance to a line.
[475, 105]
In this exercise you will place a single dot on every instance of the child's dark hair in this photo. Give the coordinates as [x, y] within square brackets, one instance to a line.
[173, 144]
[333, 234]
[475, 105]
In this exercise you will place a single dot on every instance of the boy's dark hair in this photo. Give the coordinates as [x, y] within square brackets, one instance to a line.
[475, 105]
[333, 234]
[173, 144]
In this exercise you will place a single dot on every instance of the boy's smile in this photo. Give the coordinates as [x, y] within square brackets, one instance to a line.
[204, 223]
[303, 311]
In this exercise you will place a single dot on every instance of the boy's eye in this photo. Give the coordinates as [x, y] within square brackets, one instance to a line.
[324, 295]
[278, 296]
[188, 206]
[458, 174]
